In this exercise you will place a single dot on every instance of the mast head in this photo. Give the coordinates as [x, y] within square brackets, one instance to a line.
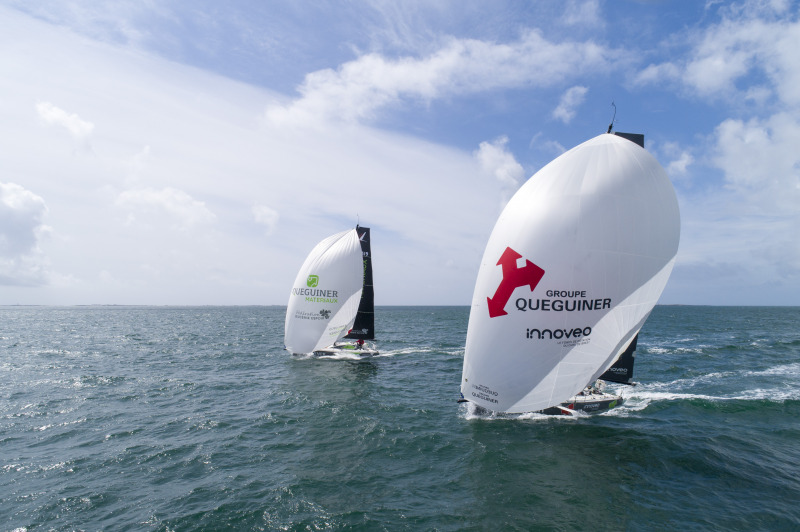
[636, 138]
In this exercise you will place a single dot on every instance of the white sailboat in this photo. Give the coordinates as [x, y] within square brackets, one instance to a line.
[575, 264]
[332, 298]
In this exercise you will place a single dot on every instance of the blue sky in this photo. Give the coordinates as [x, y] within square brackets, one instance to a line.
[193, 152]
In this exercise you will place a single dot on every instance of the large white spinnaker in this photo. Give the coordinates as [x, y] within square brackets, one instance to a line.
[575, 263]
[324, 299]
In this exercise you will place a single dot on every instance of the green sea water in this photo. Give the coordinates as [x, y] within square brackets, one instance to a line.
[195, 418]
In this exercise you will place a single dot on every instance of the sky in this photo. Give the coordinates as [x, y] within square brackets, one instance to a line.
[192, 152]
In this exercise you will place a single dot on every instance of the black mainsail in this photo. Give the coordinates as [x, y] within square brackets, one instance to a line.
[622, 370]
[364, 326]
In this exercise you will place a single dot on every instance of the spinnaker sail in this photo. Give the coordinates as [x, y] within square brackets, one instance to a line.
[575, 264]
[325, 295]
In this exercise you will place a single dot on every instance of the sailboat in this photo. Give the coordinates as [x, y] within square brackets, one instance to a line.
[573, 267]
[332, 299]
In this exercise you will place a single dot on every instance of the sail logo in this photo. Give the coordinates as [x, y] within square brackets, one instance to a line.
[558, 334]
[513, 278]
[316, 295]
[312, 316]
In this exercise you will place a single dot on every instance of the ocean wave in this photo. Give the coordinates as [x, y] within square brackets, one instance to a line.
[789, 370]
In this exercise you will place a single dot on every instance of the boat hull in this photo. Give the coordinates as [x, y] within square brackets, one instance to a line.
[591, 400]
[347, 349]
[588, 405]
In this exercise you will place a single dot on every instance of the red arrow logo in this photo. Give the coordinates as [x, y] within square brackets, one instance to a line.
[513, 278]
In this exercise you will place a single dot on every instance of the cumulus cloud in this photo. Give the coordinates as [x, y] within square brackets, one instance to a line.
[679, 159]
[21, 227]
[678, 166]
[495, 159]
[359, 88]
[184, 211]
[761, 162]
[266, 216]
[732, 59]
[725, 54]
[570, 100]
[751, 55]
[748, 62]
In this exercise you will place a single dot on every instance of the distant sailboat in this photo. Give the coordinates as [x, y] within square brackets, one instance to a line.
[332, 298]
[575, 264]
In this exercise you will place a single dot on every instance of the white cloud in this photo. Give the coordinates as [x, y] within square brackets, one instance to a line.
[726, 53]
[743, 234]
[732, 59]
[52, 115]
[758, 156]
[181, 156]
[359, 88]
[678, 166]
[496, 160]
[679, 159]
[570, 100]
[21, 228]
[656, 73]
[551, 148]
[21, 220]
[182, 148]
[582, 13]
[146, 204]
[761, 162]
[266, 216]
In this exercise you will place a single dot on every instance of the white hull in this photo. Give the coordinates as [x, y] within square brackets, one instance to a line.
[348, 349]
[593, 399]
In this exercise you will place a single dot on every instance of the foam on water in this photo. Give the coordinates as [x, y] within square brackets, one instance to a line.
[788, 370]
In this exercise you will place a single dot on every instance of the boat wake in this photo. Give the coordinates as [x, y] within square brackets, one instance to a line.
[344, 355]
[645, 395]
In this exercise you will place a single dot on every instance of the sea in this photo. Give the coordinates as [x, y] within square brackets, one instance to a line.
[196, 418]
